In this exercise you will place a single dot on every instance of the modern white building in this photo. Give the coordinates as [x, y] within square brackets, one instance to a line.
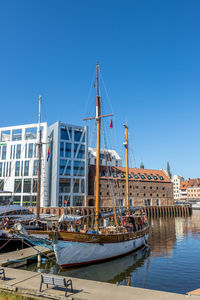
[19, 163]
[107, 157]
[176, 186]
[63, 167]
[67, 165]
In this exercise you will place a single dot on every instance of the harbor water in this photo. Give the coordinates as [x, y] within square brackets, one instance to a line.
[170, 263]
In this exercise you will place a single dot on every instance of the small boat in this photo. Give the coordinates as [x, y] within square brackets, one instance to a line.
[9, 215]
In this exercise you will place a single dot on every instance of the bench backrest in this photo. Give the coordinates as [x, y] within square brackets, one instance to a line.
[53, 280]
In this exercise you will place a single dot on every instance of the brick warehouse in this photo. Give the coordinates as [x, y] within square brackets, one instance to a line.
[146, 187]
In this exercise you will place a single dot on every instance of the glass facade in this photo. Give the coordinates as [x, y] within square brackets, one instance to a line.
[26, 168]
[35, 185]
[64, 134]
[27, 186]
[35, 168]
[1, 169]
[61, 149]
[76, 186]
[30, 150]
[18, 152]
[18, 186]
[17, 168]
[79, 168]
[64, 185]
[68, 149]
[4, 150]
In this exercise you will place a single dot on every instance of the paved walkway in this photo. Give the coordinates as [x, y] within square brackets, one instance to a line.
[29, 283]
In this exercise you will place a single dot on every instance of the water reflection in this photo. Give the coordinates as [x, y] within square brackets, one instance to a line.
[171, 263]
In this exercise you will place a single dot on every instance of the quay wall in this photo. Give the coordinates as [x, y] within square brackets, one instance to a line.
[151, 211]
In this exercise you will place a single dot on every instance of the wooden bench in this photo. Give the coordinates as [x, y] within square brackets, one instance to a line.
[2, 273]
[57, 281]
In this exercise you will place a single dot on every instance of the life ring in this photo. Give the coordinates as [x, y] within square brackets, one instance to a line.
[78, 222]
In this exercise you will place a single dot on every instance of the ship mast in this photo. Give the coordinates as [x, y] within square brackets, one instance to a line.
[39, 163]
[98, 122]
[127, 168]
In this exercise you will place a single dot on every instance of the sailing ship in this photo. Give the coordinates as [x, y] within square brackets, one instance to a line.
[128, 232]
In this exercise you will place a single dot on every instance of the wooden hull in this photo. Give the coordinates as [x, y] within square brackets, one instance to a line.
[73, 249]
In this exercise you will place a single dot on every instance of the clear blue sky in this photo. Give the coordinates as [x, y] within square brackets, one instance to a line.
[149, 54]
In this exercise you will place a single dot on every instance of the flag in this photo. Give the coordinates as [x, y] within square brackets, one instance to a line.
[111, 123]
[48, 153]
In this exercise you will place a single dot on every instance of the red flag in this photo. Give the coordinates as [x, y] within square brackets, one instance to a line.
[111, 124]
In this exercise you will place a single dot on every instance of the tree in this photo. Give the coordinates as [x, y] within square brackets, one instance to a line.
[168, 170]
[141, 165]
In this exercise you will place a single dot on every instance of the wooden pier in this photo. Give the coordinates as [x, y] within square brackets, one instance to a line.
[151, 211]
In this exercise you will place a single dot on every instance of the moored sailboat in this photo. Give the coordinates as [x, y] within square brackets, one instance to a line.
[129, 233]
[129, 230]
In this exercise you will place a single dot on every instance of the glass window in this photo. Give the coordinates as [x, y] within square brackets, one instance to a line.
[10, 151]
[62, 166]
[79, 168]
[7, 168]
[26, 168]
[81, 152]
[61, 149]
[27, 186]
[136, 177]
[18, 186]
[68, 149]
[66, 200]
[34, 185]
[31, 133]
[60, 204]
[30, 150]
[1, 184]
[17, 168]
[14, 152]
[82, 186]
[17, 135]
[64, 185]
[155, 177]
[1, 169]
[18, 152]
[26, 151]
[26, 201]
[4, 169]
[33, 201]
[68, 169]
[10, 168]
[4, 150]
[77, 135]
[22, 163]
[17, 200]
[5, 136]
[64, 134]
[76, 186]
[35, 168]
[78, 200]
[35, 150]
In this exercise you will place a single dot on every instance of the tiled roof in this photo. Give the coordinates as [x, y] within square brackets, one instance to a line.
[183, 185]
[194, 182]
[134, 174]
